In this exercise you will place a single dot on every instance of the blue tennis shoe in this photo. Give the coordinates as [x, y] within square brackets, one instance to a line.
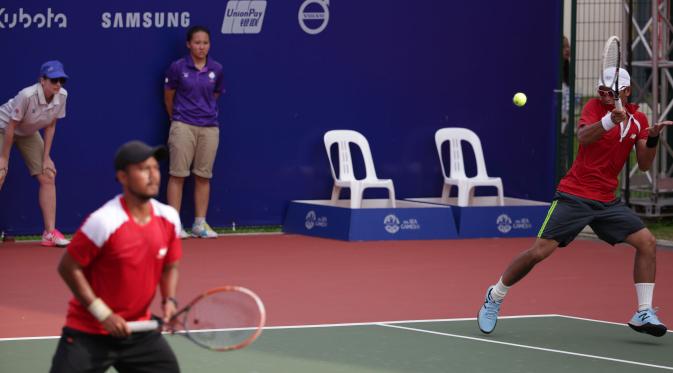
[646, 321]
[488, 314]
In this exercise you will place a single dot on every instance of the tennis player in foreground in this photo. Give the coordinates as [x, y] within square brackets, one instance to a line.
[585, 196]
[113, 266]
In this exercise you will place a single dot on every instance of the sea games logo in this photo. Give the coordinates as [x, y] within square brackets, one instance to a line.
[315, 221]
[37, 20]
[244, 17]
[392, 224]
[313, 16]
[505, 223]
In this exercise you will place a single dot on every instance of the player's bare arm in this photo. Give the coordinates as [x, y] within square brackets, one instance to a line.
[645, 154]
[168, 287]
[593, 132]
[73, 275]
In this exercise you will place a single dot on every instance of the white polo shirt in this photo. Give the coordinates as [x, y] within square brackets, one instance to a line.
[31, 111]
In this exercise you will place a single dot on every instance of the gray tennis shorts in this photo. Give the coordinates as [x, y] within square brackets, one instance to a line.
[568, 215]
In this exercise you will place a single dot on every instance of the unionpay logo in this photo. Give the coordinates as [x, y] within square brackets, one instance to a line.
[313, 16]
[504, 223]
[244, 17]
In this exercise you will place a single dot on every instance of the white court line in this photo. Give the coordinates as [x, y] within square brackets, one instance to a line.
[529, 347]
[326, 325]
[598, 321]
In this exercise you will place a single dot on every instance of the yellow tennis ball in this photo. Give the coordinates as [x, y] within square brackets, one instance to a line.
[519, 99]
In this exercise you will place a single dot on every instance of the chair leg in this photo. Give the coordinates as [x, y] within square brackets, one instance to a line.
[391, 195]
[335, 193]
[463, 196]
[356, 196]
[501, 196]
[446, 192]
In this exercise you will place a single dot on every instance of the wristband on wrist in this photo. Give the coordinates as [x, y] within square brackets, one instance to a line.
[99, 309]
[607, 122]
[170, 299]
[652, 142]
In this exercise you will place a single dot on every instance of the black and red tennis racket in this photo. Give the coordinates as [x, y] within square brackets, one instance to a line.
[221, 319]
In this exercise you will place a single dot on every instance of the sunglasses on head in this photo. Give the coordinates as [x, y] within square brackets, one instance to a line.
[57, 80]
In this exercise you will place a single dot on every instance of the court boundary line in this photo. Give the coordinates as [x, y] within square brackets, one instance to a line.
[600, 321]
[563, 352]
[372, 323]
[333, 325]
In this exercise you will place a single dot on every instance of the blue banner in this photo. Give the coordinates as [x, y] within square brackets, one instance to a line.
[395, 71]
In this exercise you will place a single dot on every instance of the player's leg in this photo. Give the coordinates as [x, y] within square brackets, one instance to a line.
[617, 223]
[645, 319]
[517, 269]
[566, 217]
[147, 353]
[80, 352]
[206, 149]
[181, 145]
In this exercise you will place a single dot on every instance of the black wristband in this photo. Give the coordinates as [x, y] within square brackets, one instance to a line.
[652, 141]
[171, 299]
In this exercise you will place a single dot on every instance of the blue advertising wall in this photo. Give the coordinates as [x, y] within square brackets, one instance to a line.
[394, 70]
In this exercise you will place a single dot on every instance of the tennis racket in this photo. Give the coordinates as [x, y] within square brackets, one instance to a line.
[612, 58]
[221, 319]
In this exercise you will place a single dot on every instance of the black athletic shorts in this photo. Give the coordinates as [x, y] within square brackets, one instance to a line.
[568, 215]
[141, 352]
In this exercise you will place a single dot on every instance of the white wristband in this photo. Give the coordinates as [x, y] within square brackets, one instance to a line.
[99, 309]
[607, 122]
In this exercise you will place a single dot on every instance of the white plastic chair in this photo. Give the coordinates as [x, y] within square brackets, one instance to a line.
[346, 178]
[457, 175]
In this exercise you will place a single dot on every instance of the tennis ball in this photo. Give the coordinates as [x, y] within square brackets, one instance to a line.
[519, 99]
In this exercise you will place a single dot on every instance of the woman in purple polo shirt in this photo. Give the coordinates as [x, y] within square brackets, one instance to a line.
[192, 86]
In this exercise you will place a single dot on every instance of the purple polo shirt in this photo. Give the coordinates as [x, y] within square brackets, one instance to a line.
[195, 90]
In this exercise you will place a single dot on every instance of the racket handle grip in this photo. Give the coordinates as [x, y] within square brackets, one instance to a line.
[143, 326]
[618, 104]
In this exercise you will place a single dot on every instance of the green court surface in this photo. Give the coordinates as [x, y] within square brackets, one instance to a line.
[519, 344]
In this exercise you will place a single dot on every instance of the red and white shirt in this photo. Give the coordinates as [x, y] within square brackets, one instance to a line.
[594, 174]
[122, 260]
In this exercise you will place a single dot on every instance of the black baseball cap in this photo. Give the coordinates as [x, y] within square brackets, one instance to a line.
[137, 151]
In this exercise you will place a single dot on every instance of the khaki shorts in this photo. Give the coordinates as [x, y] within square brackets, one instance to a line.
[192, 146]
[31, 148]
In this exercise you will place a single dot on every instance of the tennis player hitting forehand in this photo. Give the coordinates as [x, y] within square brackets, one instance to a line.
[585, 196]
[113, 266]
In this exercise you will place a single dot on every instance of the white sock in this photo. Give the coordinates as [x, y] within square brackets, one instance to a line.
[644, 291]
[499, 291]
[199, 221]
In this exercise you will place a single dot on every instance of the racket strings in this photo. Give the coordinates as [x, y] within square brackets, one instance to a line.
[610, 61]
[224, 319]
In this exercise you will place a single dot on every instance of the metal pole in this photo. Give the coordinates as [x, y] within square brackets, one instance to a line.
[559, 103]
[629, 61]
[655, 92]
[570, 129]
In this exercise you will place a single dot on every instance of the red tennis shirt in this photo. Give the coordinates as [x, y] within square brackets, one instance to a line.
[594, 174]
[123, 260]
